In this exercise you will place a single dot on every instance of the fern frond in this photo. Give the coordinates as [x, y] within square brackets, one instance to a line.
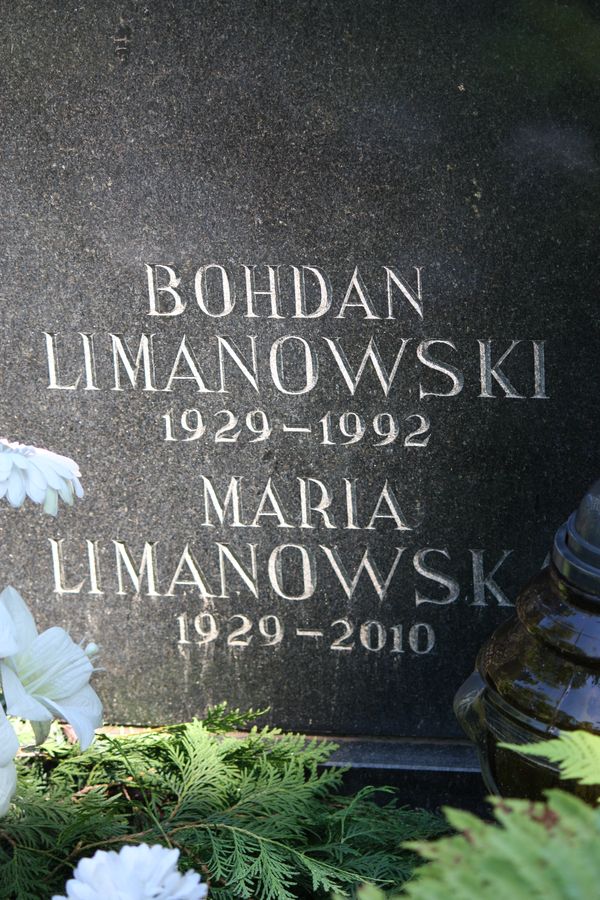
[576, 752]
[533, 850]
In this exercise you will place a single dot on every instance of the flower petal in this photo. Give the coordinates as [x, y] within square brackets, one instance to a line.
[35, 485]
[48, 472]
[83, 711]
[8, 633]
[51, 502]
[15, 492]
[63, 465]
[41, 731]
[53, 665]
[6, 464]
[18, 701]
[66, 492]
[8, 786]
[9, 742]
[26, 631]
[132, 874]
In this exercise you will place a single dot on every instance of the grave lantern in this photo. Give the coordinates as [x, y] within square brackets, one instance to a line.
[539, 673]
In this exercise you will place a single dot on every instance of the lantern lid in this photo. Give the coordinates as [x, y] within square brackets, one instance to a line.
[576, 550]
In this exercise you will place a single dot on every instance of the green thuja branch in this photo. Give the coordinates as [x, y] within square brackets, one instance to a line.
[258, 814]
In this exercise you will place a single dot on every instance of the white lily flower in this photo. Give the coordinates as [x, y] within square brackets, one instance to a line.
[135, 873]
[47, 675]
[39, 474]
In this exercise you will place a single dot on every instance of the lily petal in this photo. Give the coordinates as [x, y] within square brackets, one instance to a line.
[8, 633]
[9, 742]
[53, 665]
[25, 629]
[18, 701]
[8, 786]
[41, 731]
[83, 711]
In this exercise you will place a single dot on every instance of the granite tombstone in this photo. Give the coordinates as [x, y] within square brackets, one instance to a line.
[310, 292]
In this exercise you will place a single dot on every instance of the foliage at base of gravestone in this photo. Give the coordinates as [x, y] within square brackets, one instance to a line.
[255, 815]
[533, 850]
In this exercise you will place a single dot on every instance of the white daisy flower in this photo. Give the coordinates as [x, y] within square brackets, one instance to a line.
[39, 474]
[45, 676]
[135, 873]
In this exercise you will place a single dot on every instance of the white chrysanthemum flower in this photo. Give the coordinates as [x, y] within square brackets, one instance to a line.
[45, 676]
[39, 474]
[135, 873]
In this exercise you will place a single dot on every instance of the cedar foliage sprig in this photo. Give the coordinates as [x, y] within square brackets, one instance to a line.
[258, 815]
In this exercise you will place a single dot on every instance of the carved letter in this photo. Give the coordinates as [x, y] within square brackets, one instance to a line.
[300, 293]
[488, 371]
[228, 298]
[226, 345]
[271, 496]
[481, 582]
[187, 354]
[198, 580]
[92, 548]
[144, 356]
[147, 566]
[251, 291]
[58, 567]
[178, 304]
[232, 497]
[311, 365]
[454, 374]
[53, 375]
[388, 497]
[368, 565]
[415, 301]
[249, 577]
[307, 506]
[372, 354]
[539, 370]
[423, 569]
[357, 285]
[309, 576]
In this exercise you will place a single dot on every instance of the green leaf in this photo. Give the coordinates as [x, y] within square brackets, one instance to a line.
[576, 752]
[533, 851]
